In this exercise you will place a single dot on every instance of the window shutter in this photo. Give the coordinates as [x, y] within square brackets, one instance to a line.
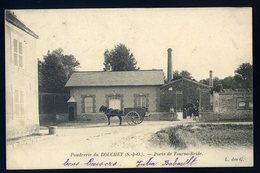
[15, 52]
[20, 54]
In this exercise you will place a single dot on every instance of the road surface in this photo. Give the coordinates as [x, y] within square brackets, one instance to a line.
[74, 146]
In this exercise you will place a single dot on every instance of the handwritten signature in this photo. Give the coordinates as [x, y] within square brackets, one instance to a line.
[188, 161]
[90, 162]
[175, 162]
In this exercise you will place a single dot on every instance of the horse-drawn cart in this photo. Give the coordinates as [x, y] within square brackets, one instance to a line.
[132, 115]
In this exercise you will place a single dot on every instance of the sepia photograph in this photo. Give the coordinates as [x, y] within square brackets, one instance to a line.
[129, 88]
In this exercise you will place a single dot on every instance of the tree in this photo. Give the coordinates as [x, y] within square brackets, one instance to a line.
[242, 79]
[216, 81]
[230, 83]
[244, 75]
[183, 73]
[119, 59]
[55, 70]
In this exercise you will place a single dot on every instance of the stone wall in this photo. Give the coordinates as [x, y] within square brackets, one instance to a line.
[162, 116]
[227, 105]
[239, 116]
[101, 118]
[127, 95]
[48, 117]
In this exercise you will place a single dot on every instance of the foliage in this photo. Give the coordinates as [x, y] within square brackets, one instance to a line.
[183, 73]
[55, 70]
[119, 59]
[216, 81]
[244, 75]
[230, 83]
[243, 78]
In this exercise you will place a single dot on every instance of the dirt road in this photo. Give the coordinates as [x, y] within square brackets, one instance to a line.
[80, 143]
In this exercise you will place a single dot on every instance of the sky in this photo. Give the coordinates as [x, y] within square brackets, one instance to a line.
[202, 39]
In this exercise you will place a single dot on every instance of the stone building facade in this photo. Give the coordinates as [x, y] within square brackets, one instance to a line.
[22, 117]
[117, 90]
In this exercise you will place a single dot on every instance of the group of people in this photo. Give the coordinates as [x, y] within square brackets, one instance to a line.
[191, 110]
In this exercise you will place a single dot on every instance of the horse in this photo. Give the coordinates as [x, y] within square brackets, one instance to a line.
[111, 113]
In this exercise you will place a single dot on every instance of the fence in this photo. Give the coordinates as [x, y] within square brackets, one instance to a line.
[52, 103]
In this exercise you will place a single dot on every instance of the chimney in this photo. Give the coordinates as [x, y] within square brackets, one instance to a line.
[169, 69]
[211, 78]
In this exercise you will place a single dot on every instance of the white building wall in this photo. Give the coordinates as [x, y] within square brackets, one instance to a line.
[23, 79]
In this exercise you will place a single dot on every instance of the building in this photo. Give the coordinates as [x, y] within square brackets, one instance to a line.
[229, 104]
[177, 93]
[22, 117]
[115, 89]
[181, 91]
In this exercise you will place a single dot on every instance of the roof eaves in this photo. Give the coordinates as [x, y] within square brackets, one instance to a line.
[132, 85]
[11, 18]
[171, 82]
[183, 78]
[197, 82]
[82, 71]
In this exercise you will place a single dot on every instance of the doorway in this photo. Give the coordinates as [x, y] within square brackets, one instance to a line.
[71, 113]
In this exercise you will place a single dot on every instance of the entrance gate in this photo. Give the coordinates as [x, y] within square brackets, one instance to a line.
[178, 98]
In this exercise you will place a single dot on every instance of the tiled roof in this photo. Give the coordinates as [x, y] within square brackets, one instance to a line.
[183, 78]
[11, 18]
[116, 78]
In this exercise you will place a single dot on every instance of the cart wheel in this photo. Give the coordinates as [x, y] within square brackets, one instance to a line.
[133, 118]
[140, 120]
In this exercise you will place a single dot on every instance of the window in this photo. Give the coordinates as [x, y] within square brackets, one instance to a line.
[115, 103]
[88, 104]
[19, 103]
[244, 103]
[241, 104]
[17, 52]
[141, 101]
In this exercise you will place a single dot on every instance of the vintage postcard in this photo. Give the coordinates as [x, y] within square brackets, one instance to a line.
[129, 88]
